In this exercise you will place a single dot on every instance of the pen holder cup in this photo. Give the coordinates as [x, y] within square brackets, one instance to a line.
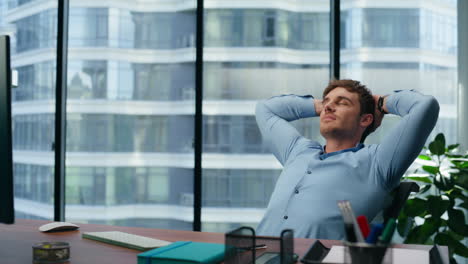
[363, 253]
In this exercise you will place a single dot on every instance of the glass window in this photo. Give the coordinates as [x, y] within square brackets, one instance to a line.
[35, 82]
[395, 36]
[234, 80]
[88, 27]
[266, 28]
[37, 31]
[130, 116]
[269, 32]
[133, 81]
[33, 41]
[390, 27]
[131, 91]
[259, 53]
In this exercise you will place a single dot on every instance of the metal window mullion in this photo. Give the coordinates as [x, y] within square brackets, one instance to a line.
[60, 110]
[335, 39]
[198, 133]
[7, 213]
[462, 24]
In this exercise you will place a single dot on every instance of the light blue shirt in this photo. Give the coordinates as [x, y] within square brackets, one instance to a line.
[306, 193]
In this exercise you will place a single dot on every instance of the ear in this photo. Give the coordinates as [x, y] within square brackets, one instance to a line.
[366, 120]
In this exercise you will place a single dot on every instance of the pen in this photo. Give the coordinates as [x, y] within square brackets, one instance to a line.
[260, 246]
[357, 230]
[374, 233]
[388, 231]
[363, 225]
[350, 234]
[352, 231]
[349, 230]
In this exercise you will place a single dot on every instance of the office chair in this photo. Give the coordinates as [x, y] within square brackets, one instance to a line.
[400, 195]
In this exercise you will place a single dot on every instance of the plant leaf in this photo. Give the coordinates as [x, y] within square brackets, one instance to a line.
[421, 234]
[453, 146]
[430, 226]
[415, 207]
[456, 222]
[464, 205]
[453, 155]
[454, 245]
[457, 194]
[436, 206]
[461, 179]
[455, 235]
[424, 157]
[437, 147]
[431, 169]
[425, 188]
[460, 164]
[404, 224]
[414, 236]
[445, 185]
[440, 138]
[419, 179]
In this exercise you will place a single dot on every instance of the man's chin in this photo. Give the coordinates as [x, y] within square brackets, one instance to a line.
[326, 132]
[329, 131]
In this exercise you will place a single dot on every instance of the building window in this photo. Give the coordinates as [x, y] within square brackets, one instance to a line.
[269, 30]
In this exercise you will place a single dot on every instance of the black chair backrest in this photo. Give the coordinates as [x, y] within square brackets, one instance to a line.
[400, 195]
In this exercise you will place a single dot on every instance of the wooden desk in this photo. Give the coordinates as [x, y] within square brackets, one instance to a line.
[16, 242]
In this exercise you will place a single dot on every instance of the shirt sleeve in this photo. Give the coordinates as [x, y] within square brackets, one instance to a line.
[405, 141]
[273, 117]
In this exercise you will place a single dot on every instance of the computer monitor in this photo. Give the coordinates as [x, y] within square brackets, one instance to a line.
[7, 212]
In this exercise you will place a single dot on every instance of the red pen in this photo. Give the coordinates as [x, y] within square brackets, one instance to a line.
[363, 225]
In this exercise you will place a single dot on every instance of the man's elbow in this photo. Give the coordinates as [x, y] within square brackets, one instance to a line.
[260, 107]
[432, 108]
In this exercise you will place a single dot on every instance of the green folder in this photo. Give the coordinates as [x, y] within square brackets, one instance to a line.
[184, 252]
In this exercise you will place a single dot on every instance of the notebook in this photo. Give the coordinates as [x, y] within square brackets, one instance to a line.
[184, 252]
[127, 240]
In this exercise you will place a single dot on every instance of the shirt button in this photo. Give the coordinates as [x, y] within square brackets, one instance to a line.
[309, 172]
[296, 191]
[285, 217]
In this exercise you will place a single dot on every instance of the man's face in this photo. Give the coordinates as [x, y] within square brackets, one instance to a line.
[340, 116]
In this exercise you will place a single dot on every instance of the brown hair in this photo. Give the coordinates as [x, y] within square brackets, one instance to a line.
[366, 100]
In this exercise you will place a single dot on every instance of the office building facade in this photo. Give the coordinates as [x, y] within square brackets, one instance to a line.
[131, 97]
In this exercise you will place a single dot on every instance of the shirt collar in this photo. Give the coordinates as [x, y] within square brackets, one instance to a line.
[324, 155]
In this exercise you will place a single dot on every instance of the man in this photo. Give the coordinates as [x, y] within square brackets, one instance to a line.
[315, 177]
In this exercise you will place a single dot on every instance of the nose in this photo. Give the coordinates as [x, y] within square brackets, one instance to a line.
[329, 107]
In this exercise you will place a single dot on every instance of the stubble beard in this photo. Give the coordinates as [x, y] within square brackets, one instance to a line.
[330, 132]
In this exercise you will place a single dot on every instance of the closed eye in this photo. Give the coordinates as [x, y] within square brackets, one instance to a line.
[344, 100]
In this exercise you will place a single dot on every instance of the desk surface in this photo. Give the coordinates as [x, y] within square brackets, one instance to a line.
[16, 242]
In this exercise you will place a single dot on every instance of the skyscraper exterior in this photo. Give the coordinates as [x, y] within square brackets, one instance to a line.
[131, 90]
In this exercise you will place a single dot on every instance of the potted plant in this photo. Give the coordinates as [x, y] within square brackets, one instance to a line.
[436, 214]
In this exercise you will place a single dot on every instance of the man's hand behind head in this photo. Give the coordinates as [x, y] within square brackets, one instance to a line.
[378, 116]
[318, 106]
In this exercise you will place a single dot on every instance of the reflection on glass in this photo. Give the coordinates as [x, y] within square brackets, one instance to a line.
[131, 90]
[252, 54]
[121, 80]
[33, 39]
[130, 114]
[409, 47]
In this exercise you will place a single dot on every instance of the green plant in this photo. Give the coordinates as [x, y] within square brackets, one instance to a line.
[436, 214]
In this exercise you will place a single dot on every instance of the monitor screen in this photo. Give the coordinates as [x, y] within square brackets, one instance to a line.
[7, 214]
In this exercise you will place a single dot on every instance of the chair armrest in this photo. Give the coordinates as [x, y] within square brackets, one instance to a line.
[401, 194]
